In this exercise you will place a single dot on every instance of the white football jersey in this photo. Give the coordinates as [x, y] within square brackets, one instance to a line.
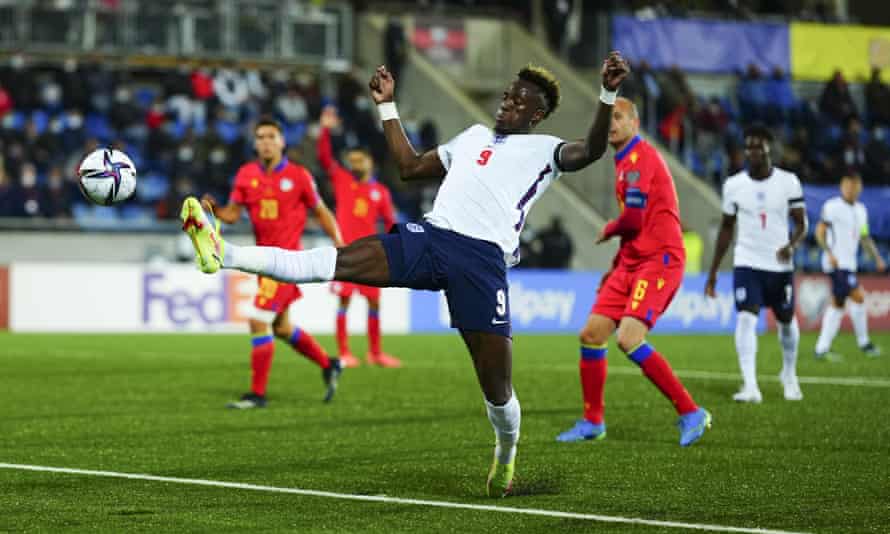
[847, 223]
[762, 209]
[491, 184]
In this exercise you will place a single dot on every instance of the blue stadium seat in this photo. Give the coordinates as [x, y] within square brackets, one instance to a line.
[98, 126]
[293, 133]
[14, 120]
[40, 118]
[151, 187]
[227, 131]
[144, 96]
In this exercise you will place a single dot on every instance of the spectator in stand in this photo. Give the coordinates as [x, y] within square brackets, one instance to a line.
[291, 106]
[676, 101]
[557, 14]
[751, 94]
[60, 194]
[877, 99]
[851, 156]
[31, 193]
[836, 102]
[74, 88]
[155, 115]
[10, 194]
[6, 103]
[877, 158]
[19, 81]
[230, 88]
[395, 47]
[555, 246]
[780, 100]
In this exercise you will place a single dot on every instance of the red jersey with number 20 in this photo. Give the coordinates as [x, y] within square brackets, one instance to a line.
[276, 201]
[649, 224]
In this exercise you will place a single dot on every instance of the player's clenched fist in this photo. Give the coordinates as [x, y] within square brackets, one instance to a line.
[382, 85]
[615, 70]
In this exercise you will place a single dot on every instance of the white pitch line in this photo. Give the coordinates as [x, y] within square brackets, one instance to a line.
[717, 375]
[396, 500]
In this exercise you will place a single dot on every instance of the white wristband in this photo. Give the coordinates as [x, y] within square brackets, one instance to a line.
[608, 97]
[387, 111]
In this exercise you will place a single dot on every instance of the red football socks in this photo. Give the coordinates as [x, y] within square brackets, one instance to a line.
[261, 362]
[593, 367]
[659, 372]
[306, 345]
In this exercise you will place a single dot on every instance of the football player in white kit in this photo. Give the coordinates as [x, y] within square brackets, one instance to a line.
[465, 244]
[843, 225]
[762, 199]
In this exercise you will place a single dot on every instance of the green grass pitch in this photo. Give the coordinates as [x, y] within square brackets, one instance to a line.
[154, 404]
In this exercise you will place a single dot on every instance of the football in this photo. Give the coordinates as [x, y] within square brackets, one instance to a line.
[107, 176]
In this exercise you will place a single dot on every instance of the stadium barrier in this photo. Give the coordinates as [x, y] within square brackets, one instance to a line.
[814, 294]
[128, 297]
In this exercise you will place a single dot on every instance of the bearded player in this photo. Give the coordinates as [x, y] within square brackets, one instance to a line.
[646, 274]
[361, 202]
[277, 195]
[490, 179]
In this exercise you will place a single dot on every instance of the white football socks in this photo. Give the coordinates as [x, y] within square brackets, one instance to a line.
[294, 266]
[746, 347]
[859, 317]
[831, 323]
[789, 339]
[505, 421]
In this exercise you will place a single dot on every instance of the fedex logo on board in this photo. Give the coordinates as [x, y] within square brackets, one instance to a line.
[194, 299]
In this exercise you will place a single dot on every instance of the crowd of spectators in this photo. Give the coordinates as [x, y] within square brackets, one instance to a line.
[820, 139]
[187, 128]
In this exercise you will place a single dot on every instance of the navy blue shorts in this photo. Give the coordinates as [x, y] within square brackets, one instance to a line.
[471, 271]
[755, 289]
[842, 284]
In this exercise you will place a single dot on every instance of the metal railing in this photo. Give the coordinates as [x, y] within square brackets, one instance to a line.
[286, 30]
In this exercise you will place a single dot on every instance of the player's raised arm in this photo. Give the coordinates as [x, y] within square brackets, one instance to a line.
[724, 239]
[324, 152]
[412, 166]
[578, 154]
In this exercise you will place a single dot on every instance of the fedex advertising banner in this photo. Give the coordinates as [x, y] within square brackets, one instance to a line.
[542, 301]
[169, 298]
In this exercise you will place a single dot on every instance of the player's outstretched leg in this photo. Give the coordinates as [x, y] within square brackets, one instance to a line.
[789, 339]
[693, 420]
[493, 361]
[592, 368]
[746, 348]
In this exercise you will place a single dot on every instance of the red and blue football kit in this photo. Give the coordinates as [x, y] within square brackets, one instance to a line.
[277, 203]
[648, 269]
[645, 276]
[359, 206]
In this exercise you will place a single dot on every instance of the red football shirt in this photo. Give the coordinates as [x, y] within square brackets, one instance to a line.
[649, 224]
[359, 204]
[276, 201]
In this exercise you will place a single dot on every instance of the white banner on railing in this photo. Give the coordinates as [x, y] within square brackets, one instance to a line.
[73, 297]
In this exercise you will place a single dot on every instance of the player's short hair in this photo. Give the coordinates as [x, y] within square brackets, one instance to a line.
[546, 82]
[268, 121]
[759, 131]
[851, 175]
